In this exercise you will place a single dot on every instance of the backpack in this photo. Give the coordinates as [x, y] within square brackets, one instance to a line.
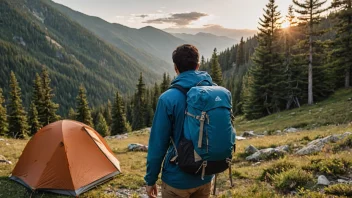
[209, 123]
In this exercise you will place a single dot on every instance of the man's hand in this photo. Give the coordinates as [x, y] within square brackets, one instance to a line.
[152, 191]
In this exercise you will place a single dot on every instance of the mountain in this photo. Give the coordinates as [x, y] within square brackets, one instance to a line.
[216, 30]
[206, 42]
[34, 35]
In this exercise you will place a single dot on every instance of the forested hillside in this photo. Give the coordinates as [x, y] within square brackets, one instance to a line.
[34, 36]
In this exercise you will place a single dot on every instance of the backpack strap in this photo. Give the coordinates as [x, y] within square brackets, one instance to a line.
[180, 88]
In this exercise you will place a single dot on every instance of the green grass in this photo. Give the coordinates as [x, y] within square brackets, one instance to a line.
[251, 180]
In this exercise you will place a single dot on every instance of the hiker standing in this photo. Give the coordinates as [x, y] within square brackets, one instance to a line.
[180, 178]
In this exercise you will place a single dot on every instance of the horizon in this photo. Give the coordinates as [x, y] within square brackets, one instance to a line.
[164, 15]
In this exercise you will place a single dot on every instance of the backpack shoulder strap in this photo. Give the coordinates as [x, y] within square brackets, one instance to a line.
[180, 88]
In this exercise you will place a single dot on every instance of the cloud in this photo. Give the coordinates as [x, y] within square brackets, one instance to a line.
[179, 19]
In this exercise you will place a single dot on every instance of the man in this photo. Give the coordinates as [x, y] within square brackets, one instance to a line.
[168, 123]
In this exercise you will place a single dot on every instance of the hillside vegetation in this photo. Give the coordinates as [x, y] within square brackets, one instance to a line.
[286, 176]
[33, 36]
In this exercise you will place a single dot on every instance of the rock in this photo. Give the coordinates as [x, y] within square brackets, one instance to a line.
[322, 180]
[137, 147]
[346, 134]
[240, 138]
[4, 160]
[256, 164]
[265, 133]
[268, 153]
[310, 149]
[291, 130]
[249, 134]
[254, 157]
[251, 150]
[278, 132]
[285, 148]
[119, 137]
[343, 181]
[2, 139]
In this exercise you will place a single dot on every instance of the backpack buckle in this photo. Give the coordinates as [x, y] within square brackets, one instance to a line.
[202, 117]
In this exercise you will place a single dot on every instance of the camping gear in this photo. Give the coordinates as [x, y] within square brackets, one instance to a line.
[65, 157]
[209, 123]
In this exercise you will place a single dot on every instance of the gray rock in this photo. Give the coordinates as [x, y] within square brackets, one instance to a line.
[343, 181]
[346, 134]
[291, 130]
[322, 180]
[249, 134]
[278, 132]
[137, 147]
[310, 149]
[119, 137]
[254, 157]
[265, 133]
[240, 138]
[251, 150]
[267, 153]
[285, 148]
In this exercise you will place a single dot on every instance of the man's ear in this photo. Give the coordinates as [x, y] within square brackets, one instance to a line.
[197, 68]
[176, 70]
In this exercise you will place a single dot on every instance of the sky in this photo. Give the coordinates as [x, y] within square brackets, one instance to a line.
[234, 14]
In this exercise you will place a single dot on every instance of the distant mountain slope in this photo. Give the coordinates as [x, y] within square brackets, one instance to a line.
[33, 35]
[216, 30]
[206, 42]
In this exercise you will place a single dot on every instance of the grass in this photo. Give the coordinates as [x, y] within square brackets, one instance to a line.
[270, 178]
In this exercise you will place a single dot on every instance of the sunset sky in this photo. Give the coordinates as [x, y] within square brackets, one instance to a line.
[236, 14]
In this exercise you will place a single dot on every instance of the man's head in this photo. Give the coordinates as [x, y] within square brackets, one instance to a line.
[185, 58]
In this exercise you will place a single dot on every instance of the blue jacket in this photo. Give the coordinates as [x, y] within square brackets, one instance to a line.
[171, 105]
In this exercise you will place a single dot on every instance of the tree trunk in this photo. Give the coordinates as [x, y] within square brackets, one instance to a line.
[310, 67]
[347, 78]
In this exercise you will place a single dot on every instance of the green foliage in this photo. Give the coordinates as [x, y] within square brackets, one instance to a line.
[343, 144]
[216, 72]
[34, 124]
[278, 167]
[139, 108]
[101, 126]
[165, 84]
[240, 58]
[331, 167]
[4, 125]
[292, 179]
[83, 113]
[339, 190]
[107, 113]
[119, 124]
[18, 126]
[71, 114]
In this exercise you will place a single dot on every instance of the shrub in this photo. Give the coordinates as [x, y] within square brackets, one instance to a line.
[339, 190]
[329, 166]
[292, 179]
[279, 167]
[345, 143]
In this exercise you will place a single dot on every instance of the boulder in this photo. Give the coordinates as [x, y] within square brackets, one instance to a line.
[254, 157]
[240, 138]
[310, 149]
[291, 130]
[137, 147]
[251, 150]
[268, 153]
[249, 134]
[285, 148]
[119, 137]
[322, 180]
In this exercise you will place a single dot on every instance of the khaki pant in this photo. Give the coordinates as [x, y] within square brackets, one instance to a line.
[199, 192]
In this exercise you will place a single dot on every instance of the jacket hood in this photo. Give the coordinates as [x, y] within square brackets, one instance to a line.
[190, 79]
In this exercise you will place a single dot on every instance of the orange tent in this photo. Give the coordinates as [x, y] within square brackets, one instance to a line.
[65, 157]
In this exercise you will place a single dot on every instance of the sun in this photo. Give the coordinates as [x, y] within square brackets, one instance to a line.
[285, 24]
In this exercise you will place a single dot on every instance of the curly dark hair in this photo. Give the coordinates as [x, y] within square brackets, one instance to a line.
[186, 57]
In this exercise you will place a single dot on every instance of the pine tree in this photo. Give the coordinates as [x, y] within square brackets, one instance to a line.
[240, 57]
[18, 126]
[164, 84]
[118, 117]
[265, 77]
[38, 95]
[138, 121]
[156, 94]
[71, 114]
[101, 125]
[149, 112]
[4, 125]
[342, 45]
[107, 113]
[310, 11]
[203, 66]
[48, 109]
[34, 124]
[216, 72]
[83, 113]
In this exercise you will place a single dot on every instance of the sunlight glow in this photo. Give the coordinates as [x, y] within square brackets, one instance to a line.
[285, 24]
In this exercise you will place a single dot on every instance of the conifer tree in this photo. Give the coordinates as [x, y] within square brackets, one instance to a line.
[107, 113]
[4, 125]
[18, 126]
[101, 125]
[164, 84]
[48, 108]
[203, 66]
[240, 57]
[156, 94]
[149, 112]
[310, 11]
[34, 124]
[38, 95]
[119, 124]
[71, 114]
[216, 72]
[342, 44]
[83, 113]
[138, 121]
[263, 95]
